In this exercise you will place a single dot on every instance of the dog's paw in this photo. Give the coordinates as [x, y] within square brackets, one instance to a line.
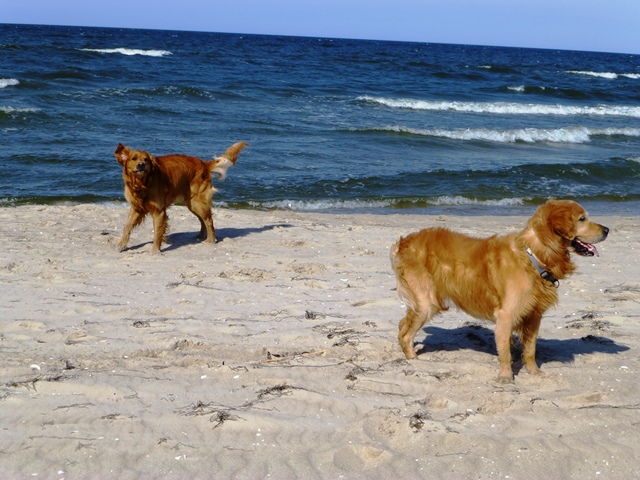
[505, 379]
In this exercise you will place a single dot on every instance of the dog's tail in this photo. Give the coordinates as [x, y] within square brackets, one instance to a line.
[221, 164]
[402, 287]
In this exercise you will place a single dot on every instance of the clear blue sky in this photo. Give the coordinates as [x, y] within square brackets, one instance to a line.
[596, 25]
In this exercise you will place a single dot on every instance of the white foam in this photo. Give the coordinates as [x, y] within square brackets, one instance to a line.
[326, 204]
[314, 205]
[18, 110]
[608, 75]
[129, 51]
[504, 108]
[458, 200]
[522, 88]
[526, 135]
[8, 82]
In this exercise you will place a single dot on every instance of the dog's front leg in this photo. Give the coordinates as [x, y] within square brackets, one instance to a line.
[528, 338]
[135, 218]
[503, 335]
[160, 222]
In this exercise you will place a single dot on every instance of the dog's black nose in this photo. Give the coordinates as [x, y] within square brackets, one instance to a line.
[142, 165]
[605, 230]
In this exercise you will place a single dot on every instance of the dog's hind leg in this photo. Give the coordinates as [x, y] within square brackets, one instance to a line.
[207, 232]
[135, 218]
[417, 294]
[409, 326]
[203, 229]
[199, 203]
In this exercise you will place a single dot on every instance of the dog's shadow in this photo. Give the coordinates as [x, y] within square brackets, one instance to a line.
[481, 339]
[181, 239]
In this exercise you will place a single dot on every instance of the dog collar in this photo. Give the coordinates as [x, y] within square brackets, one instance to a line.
[543, 273]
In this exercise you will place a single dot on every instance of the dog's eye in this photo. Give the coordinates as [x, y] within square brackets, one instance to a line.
[582, 218]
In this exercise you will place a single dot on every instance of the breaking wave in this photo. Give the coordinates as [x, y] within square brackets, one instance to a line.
[8, 82]
[376, 204]
[525, 135]
[129, 51]
[503, 108]
[608, 75]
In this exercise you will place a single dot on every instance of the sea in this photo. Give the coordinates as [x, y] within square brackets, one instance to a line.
[334, 125]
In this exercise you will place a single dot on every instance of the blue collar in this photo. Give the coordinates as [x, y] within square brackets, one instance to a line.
[543, 273]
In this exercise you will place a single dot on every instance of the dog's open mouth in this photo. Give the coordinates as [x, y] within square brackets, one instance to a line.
[141, 167]
[584, 248]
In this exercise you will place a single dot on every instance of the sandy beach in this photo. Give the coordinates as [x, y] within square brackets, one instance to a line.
[273, 354]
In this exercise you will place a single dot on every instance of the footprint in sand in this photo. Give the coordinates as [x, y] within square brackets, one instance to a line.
[252, 274]
[355, 458]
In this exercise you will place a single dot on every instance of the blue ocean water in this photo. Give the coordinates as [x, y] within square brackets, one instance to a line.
[334, 125]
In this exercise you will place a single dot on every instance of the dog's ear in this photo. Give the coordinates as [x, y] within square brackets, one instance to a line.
[153, 161]
[553, 220]
[561, 219]
[122, 154]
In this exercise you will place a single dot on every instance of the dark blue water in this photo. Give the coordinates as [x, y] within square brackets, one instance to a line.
[333, 124]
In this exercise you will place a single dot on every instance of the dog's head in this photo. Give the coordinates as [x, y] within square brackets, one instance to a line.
[134, 162]
[566, 223]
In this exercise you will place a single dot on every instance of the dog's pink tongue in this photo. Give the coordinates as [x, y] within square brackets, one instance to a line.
[591, 248]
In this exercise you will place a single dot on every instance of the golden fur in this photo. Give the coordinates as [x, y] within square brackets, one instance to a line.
[492, 278]
[153, 184]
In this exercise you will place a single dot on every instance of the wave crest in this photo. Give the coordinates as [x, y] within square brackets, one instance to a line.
[8, 82]
[459, 200]
[503, 108]
[525, 135]
[12, 110]
[376, 204]
[607, 75]
[129, 51]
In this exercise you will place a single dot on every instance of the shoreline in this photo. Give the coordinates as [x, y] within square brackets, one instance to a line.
[462, 207]
[274, 352]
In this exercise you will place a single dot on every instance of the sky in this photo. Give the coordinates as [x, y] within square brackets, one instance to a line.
[591, 25]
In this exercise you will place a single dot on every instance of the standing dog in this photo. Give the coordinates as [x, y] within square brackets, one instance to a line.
[153, 184]
[508, 279]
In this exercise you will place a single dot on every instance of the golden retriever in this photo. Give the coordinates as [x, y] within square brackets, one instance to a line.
[510, 279]
[153, 184]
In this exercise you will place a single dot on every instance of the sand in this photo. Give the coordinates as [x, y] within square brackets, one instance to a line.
[273, 354]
